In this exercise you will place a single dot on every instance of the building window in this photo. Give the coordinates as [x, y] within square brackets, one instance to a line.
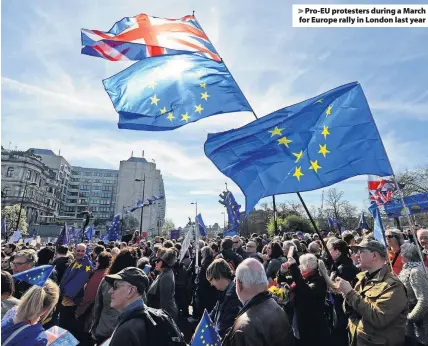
[108, 174]
[106, 195]
[5, 192]
[107, 188]
[88, 174]
[83, 201]
[10, 172]
[84, 187]
[28, 175]
[96, 187]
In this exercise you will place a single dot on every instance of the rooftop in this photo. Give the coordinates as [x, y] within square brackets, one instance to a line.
[137, 159]
[37, 151]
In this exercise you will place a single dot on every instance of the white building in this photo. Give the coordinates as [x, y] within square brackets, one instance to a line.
[134, 175]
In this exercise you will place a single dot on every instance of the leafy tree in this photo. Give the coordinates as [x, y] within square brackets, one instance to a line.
[167, 226]
[294, 223]
[130, 223]
[11, 213]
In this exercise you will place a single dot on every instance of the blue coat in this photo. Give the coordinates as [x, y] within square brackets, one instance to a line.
[33, 335]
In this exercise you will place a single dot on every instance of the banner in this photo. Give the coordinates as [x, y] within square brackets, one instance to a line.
[416, 204]
[175, 234]
[186, 243]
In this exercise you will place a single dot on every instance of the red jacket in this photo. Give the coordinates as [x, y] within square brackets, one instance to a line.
[91, 290]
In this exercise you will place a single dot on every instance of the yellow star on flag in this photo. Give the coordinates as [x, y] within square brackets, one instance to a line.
[155, 100]
[185, 117]
[315, 166]
[284, 140]
[298, 155]
[205, 95]
[318, 101]
[152, 85]
[298, 173]
[323, 150]
[78, 266]
[163, 110]
[276, 131]
[88, 268]
[328, 111]
[203, 85]
[170, 116]
[325, 132]
[198, 109]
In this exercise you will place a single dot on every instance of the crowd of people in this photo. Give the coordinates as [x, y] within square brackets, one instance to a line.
[291, 289]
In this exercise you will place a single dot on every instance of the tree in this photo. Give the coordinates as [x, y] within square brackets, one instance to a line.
[415, 181]
[130, 223]
[168, 225]
[11, 213]
[340, 209]
[294, 223]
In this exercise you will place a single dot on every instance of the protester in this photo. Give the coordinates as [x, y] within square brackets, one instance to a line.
[231, 257]
[377, 306]
[261, 321]
[394, 239]
[62, 261]
[25, 327]
[251, 249]
[237, 247]
[422, 235]
[23, 260]
[84, 312]
[8, 301]
[205, 294]
[228, 305]
[71, 287]
[343, 265]
[273, 259]
[161, 293]
[416, 282]
[105, 317]
[307, 298]
[315, 249]
[127, 290]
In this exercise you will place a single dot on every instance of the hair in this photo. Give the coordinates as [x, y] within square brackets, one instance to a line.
[29, 255]
[12, 246]
[347, 238]
[104, 260]
[410, 252]
[249, 275]
[310, 263]
[168, 244]
[123, 243]
[226, 244]
[62, 250]
[207, 252]
[297, 245]
[219, 269]
[276, 250]
[142, 262]
[314, 248]
[45, 255]
[37, 299]
[7, 283]
[98, 249]
[126, 258]
[340, 245]
[214, 247]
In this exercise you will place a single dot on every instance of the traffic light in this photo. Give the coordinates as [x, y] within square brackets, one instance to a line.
[223, 197]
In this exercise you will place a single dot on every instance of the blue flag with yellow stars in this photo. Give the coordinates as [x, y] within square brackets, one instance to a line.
[167, 92]
[307, 146]
[113, 233]
[75, 277]
[205, 333]
[35, 276]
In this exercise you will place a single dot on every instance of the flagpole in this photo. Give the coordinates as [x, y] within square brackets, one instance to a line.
[252, 110]
[410, 222]
[317, 231]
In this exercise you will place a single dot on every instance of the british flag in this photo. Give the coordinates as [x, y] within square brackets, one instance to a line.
[143, 36]
[59, 336]
[380, 189]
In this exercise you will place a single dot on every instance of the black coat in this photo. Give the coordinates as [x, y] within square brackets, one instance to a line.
[309, 308]
[205, 293]
[61, 264]
[346, 269]
[131, 330]
[230, 256]
[226, 309]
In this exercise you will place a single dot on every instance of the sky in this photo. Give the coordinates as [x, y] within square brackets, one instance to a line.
[52, 96]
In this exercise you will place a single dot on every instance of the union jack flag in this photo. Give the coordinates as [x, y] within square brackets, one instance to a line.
[59, 336]
[380, 189]
[143, 36]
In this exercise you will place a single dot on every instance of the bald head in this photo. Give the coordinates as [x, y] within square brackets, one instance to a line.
[79, 251]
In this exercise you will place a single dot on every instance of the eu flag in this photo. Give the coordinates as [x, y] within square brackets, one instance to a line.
[378, 230]
[113, 233]
[205, 333]
[167, 92]
[201, 226]
[63, 238]
[35, 276]
[75, 277]
[307, 146]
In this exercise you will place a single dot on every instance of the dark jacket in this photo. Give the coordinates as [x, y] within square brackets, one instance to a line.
[261, 322]
[161, 293]
[206, 294]
[240, 251]
[308, 298]
[226, 309]
[61, 264]
[230, 256]
[346, 269]
[131, 330]
[20, 288]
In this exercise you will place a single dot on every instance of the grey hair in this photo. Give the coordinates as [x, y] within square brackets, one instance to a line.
[310, 263]
[410, 252]
[314, 248]
[29, 255]
[206, 251]
[251, 273]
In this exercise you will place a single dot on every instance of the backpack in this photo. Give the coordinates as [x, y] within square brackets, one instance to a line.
[160, 327]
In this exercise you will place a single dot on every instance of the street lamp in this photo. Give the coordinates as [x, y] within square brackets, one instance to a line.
[196, 204]
[142, 205]
[22, 201]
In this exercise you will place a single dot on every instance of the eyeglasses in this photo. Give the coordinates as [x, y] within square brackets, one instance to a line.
[236, 242]
[17, 263]
[390, 236]
[116, 286]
